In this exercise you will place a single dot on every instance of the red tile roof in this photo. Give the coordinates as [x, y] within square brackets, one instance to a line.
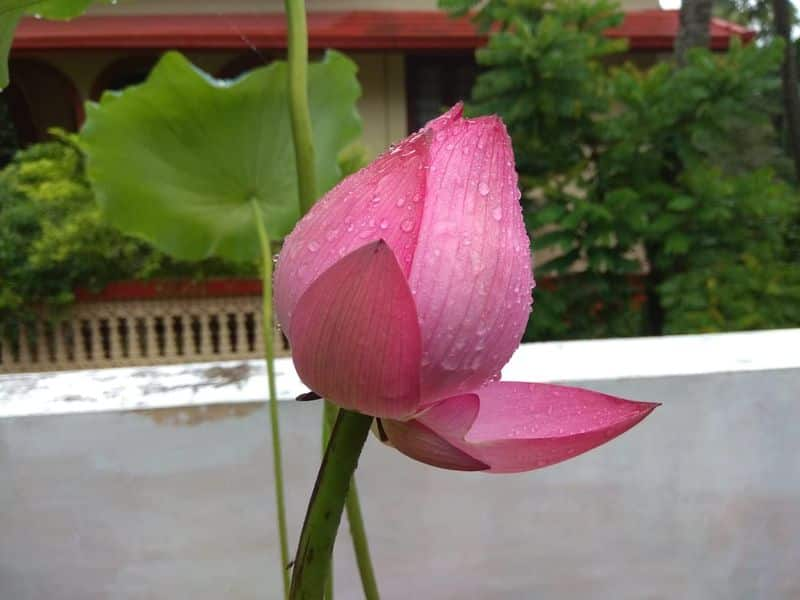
[353, 30]
[656, 30]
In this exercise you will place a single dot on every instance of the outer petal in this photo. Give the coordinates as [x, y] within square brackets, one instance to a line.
[355, 335]
[421, 443]
[515, 427]
[382, 201]
[472, 274]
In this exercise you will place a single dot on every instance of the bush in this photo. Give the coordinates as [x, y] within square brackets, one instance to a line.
[658, 193]
[53, 238]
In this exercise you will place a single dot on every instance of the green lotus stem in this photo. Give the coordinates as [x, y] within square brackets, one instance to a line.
[329, 412]
[307, 193]
[269, 356]
[298, 104]
[357, 531]
[360, 545]
[312, 562]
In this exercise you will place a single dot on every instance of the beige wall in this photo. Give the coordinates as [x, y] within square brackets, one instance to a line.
[382, 77]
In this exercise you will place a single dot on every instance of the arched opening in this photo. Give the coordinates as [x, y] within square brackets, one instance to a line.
[122, 73]
[38, 97]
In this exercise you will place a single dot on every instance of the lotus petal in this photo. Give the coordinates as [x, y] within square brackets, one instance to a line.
[382, 201]
[471, 274]
[514, 427]
[355, 335]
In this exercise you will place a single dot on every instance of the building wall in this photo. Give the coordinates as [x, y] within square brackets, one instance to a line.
[381, 74]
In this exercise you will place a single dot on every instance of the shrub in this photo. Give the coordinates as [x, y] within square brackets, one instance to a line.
[658, 193]
[53, 238]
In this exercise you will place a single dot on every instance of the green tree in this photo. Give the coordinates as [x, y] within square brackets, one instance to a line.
[641, 184]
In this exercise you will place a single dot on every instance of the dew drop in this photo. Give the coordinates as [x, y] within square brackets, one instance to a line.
[313, 246]
[376, 199]
[497, 213]
[483, 188]
[384, 224]
[331, 235]
[407, 225]
[400, 201]
[450, 362]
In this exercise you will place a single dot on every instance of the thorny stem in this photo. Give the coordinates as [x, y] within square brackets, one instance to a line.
[312, 562]
[269, 356]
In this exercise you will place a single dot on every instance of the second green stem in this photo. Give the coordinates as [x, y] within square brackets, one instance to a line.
[269, 355]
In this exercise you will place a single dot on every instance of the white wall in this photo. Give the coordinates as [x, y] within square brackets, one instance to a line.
[699, 502]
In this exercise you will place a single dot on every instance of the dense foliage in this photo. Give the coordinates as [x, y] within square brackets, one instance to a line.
[54, 239]
[655, 195]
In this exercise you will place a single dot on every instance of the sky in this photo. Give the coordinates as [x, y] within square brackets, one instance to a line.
[668, 4]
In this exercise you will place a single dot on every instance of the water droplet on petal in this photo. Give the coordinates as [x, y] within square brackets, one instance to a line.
[313, 246]
[483, 188]
[497, 213]
[384, 224]
[407, 225]
[376, 199]
[400, 201]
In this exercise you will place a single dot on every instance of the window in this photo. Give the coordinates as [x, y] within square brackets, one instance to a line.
[436, 82]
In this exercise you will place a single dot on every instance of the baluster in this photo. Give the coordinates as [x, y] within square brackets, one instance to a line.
[243, 345]
[170, 345]
[140, 340]
[96, 333]
[114, 341]
[225, 346]
[81, 348]
[24, 356]
[57, 328]
[153, 346]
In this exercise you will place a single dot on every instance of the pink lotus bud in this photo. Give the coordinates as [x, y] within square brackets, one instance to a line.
[446, 203]
[407, 288]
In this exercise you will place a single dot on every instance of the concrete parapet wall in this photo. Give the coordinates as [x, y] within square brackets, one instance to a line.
[174, 500]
